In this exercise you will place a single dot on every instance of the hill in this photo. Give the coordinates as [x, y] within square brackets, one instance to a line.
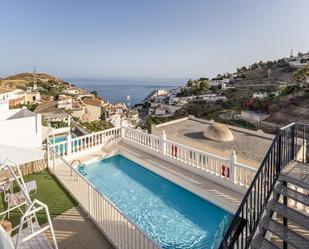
[264, 76]
[23, 79]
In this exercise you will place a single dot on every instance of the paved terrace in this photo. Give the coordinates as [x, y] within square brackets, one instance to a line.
[74, 230]
[209, 190]
[250, 146]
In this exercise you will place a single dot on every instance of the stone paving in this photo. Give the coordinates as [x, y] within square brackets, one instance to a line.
[74, 230]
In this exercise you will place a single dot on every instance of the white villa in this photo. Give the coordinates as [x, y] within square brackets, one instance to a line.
[238, 171]
[19, 126]
[20, 135]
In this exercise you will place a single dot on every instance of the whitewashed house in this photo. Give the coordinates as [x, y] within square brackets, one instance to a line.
[18, 127]
[260, 95]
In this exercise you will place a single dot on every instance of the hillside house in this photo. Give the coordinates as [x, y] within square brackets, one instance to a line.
[93, 108]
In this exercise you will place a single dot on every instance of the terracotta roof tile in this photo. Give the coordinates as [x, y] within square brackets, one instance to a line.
[94, 102]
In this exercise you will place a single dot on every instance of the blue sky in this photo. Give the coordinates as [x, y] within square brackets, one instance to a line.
[158, 38]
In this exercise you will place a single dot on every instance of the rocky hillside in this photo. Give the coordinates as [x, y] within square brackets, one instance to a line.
[262, 76]
[23, 79]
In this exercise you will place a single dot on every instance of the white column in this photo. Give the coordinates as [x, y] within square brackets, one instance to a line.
[163, 142]
[122, 131]
[69, 144]
[232, 167]
[54, 155]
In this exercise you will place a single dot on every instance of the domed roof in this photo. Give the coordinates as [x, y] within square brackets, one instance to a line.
[218, 132]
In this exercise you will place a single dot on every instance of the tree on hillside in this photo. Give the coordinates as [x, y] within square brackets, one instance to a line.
[302, 75]
[95, 93]
[190, 83]
[204, 85]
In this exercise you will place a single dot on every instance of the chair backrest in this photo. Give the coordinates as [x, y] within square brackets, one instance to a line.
[5, 240]
[31, 186]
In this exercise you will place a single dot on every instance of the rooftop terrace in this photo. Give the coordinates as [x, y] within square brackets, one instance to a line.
[250, 146]
[195, 165]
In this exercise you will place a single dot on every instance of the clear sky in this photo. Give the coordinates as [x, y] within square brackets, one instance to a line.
[147, 38]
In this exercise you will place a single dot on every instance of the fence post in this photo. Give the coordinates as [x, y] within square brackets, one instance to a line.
[278, 166]
[293, 156]
[163, 142]
[233, 159]
[69, 145]
[122, 130]
[54, 142]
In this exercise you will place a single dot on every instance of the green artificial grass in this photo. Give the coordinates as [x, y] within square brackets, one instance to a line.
[49, 191]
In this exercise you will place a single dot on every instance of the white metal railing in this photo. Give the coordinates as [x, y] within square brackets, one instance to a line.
[207, 164]
[120, 230]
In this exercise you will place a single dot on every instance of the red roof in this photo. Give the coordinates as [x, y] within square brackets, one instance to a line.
[94, 102]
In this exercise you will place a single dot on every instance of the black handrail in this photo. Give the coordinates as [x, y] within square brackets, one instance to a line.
[283, 150]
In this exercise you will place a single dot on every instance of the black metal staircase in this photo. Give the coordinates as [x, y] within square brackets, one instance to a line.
[266, 200]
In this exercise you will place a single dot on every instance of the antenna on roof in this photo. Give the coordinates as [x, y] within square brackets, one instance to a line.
[34, 81]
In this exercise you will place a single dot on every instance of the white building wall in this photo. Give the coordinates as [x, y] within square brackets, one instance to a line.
[22, 132]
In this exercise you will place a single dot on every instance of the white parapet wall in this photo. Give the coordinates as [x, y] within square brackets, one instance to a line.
[225, 171]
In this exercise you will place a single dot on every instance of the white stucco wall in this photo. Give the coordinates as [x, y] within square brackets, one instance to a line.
[21, 132]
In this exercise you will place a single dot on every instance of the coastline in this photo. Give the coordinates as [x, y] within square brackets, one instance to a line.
[117, 90]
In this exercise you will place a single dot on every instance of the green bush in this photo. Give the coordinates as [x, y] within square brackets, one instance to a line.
[97, 125]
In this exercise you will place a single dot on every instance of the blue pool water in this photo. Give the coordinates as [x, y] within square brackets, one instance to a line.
[171, 215]
[62, 138]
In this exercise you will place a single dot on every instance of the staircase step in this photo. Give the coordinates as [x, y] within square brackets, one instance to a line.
[296, 173]
[259, 242]
[284, 233]
[289, 213]
[293, 194]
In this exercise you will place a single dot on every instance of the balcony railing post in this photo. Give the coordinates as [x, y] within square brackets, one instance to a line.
[69, 145]
[233, 159]
[163, 143]
[293, 156]
[122, 129]
[279, 162]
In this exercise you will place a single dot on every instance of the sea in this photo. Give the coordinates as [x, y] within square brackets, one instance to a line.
[118, 90]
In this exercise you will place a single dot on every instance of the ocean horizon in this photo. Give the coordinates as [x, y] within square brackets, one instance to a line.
[117, 90]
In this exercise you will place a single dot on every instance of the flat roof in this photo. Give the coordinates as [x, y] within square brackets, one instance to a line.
[250, 146]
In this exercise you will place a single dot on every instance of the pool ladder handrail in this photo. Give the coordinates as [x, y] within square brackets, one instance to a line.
[75, 160]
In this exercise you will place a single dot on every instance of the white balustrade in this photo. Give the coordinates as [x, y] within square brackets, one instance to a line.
[204, 163]
[144, 139]
[83, 144]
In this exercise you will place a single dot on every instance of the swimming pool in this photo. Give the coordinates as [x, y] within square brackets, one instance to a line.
[62, 138]
[171, 215]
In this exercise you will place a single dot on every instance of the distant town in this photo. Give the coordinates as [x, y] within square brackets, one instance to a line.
[264, 95]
